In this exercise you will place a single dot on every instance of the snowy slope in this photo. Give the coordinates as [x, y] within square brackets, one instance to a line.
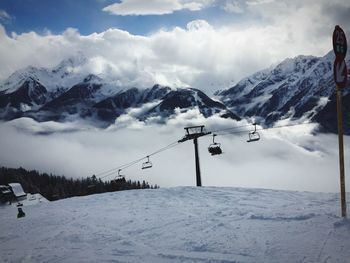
[183, 224]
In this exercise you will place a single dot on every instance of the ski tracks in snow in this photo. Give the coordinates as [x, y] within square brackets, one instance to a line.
[184, 224]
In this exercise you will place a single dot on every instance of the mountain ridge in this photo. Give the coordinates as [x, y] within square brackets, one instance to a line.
[64, 93]
[299, 89]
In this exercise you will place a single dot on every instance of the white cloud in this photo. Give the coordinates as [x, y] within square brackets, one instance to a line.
[155, 7]
[232, 6]
[201, 55]
[288, 158]
[259, 2]
[4, 15]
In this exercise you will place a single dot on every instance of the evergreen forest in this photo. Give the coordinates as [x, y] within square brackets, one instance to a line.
[54, 187]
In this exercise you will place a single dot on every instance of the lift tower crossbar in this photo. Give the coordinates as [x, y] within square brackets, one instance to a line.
[193, 133]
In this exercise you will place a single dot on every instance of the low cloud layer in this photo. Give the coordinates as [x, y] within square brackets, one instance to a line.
[287, 158]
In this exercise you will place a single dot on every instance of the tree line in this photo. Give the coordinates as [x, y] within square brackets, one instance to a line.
[54, 187]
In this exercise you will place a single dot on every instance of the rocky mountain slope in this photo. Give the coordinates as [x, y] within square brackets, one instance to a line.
[298, 88]
[67, 92]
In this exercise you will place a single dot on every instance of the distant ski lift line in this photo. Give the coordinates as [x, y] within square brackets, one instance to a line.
[113, 171]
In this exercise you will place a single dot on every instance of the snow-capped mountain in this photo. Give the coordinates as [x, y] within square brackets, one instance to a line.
[296, 88]
[64, 75]
[189, 98]
[110, 108]
[67, 92]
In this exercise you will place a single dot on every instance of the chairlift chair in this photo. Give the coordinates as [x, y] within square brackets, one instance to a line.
[215, 147]
[118, 176]
[253, 136]
[147, 164]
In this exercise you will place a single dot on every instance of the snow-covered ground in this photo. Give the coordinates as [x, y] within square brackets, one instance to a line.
[182, 224]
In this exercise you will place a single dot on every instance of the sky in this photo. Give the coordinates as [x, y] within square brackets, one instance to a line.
[205, 44]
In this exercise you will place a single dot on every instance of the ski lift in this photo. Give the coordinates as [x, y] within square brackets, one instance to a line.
[214, 148]
[253, 135]
[147, 164]
[92, 184]
[118, 176]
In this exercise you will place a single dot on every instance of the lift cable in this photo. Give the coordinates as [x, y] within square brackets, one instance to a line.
[232, 128]
[225, 131]
[112, 171]
[268, 128]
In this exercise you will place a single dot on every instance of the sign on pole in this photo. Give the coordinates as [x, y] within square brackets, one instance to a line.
[340, 73]
[339, 43]
[340, 77]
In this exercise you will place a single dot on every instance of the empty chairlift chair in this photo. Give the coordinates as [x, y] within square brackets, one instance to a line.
[215, 147]
[253, 136]
[147, 164]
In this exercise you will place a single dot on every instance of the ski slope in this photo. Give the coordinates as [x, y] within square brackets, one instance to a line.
[182, 224]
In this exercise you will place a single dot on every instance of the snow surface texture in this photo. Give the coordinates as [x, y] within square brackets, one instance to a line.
[183, 224]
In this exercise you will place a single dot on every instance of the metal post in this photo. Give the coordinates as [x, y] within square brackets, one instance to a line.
[341, 152]
[193, 133]
[198, 170]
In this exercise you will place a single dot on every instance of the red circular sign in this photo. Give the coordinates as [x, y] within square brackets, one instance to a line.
[339, 43]
[340, 73]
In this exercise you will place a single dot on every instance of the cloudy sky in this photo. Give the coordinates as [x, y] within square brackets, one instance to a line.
[207, 44]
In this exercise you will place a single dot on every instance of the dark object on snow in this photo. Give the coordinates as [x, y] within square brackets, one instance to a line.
[5, 194]
[20, 213]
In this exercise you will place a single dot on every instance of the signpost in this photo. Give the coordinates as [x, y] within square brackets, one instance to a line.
[340, 77]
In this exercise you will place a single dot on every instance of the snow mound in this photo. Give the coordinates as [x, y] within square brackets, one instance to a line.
[182, 224]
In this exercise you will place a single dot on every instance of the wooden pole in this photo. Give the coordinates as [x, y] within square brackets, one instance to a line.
[341, 152]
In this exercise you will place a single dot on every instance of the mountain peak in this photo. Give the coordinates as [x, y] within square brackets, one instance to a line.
[76, 60]
[293, 65]
[297, 88]
[64, 75]
[93, 78]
